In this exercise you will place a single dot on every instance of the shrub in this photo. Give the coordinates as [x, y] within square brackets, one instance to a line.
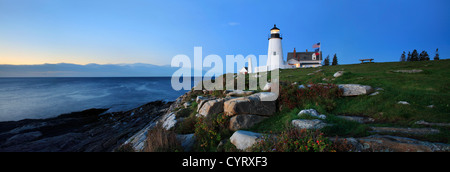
[294, 140]
[162, 140]
[186, 126]
[342, 145]
[210, 130]
[183, 113]
[321, 94]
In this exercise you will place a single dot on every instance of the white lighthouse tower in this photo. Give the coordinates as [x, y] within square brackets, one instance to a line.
[275, 52]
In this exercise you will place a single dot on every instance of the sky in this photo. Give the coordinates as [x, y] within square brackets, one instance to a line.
[150, 31]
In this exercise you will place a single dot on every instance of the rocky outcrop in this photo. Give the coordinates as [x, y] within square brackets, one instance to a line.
[200, 99]
[412, 131]
[408, 71]
[169, 120]
[244, 121]
[355, 89]
[386, 143]
[138, 139]
[358, 119]
[87, 131]
[252, 105]
[244, 139]
[308, 124]
[422, 122]
[187, 141]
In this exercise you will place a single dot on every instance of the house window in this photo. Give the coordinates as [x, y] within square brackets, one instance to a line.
[274, 53]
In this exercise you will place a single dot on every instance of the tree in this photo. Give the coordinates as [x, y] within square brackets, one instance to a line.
[425, 56]
[409, 57]
[414, 55]
[326, 62]
[335, 61]
[421, 56]
[403, 58]
[436, 57]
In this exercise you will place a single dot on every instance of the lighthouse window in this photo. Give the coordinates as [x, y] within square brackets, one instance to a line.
[274, 53]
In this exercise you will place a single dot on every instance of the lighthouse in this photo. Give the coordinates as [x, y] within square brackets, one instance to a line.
[275, 52]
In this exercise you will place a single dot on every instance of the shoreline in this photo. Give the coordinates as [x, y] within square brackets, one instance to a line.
[91, 130]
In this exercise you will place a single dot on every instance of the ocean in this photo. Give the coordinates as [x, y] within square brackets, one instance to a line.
[36, 98]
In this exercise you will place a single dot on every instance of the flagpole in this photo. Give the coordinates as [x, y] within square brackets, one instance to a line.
[320, 54]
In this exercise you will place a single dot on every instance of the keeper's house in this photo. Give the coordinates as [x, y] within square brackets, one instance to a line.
[304, 59]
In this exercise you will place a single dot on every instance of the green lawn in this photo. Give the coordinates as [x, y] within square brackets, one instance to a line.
[430, 87]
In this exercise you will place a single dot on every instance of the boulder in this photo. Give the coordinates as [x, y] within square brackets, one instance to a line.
[244, 121]
[211, 107]
[312, 112]
[403, 102]
[267, 87]
[244, 139]
[355, 89]
[200, 99]
[308, 124]
[374, 94]
[187, 104]
[338, 74]
[252, 105]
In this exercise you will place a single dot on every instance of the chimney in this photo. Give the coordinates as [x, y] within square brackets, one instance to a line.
[306, 50]
[295, 54]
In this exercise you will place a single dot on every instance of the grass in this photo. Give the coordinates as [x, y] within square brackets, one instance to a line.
[430, 87]
[420, 89]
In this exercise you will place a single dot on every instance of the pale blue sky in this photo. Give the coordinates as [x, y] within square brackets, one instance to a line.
[138, 31]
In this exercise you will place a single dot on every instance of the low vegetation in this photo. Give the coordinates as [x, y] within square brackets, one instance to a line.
[294, 140]
[162, 140]
[320, 92]
[210, 131]
[421, 90]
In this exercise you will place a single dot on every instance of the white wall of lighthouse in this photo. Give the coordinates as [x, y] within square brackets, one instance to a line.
[275, 50]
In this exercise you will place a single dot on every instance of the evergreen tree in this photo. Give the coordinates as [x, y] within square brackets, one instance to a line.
[414, 55]
[421, 56]
[403, 58]
[436, 57]
[409, 57]
[326, 62]
[425, 57]
[335, 61]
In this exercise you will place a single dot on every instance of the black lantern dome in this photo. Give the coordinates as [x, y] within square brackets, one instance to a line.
[275, 32]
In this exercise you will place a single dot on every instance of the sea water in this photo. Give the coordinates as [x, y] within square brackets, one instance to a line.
[34, 98]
